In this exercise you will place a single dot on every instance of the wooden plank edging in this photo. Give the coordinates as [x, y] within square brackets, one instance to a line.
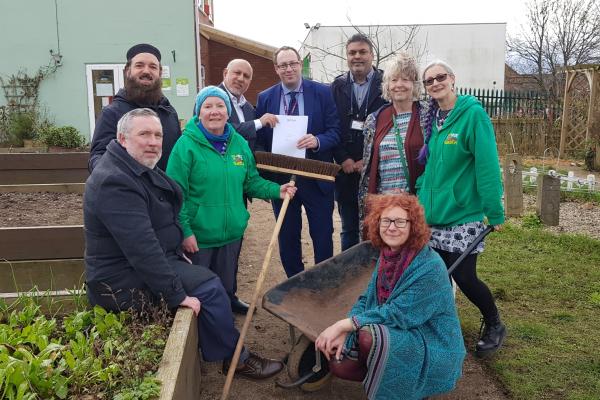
[77, 188]
[41, 242]
[179, 370]
[58, 274]
[41, 161]
[32, 168]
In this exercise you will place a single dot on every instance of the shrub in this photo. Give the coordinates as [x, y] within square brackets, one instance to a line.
[64, 136]
[21, 126]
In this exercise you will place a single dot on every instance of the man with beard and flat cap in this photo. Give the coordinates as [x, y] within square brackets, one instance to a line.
[143, 89]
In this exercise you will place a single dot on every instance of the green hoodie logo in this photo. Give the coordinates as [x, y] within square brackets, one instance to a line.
[238, 160]
[452, 138]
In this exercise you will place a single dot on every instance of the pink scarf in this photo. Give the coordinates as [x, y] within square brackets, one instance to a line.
[392, 265]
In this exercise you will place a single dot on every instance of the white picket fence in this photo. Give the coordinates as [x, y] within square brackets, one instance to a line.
[568, 182]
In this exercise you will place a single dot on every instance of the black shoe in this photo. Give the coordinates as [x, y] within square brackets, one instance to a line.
[239, 307]
[256, 367]
[491, 337]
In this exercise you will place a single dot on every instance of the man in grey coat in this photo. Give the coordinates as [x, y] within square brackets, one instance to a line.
[133, 239]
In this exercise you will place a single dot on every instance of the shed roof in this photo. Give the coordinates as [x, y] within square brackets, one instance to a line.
[238, 42]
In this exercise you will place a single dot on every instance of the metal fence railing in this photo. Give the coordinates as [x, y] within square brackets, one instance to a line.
[507, 104]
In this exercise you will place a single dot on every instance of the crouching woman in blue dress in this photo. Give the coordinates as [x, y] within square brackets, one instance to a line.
[402, 337]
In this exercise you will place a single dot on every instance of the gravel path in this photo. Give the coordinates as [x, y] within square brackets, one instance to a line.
[583, 218]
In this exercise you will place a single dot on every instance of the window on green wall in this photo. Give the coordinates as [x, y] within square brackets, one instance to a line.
[306, 72]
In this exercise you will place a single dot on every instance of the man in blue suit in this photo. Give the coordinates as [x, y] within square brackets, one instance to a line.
[298, 96]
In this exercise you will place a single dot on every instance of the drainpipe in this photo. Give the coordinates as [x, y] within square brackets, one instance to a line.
[197, 43]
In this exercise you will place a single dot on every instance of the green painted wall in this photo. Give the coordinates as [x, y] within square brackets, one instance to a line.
[93, 32]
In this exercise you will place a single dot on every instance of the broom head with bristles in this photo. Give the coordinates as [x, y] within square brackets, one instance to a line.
[280, 163]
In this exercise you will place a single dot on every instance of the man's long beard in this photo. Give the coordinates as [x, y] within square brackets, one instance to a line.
[141, 94]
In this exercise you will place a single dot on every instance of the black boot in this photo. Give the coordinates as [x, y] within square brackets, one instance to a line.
[491, 336]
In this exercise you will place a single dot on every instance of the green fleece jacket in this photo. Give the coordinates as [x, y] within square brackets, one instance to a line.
[461, 182]
[213, 186]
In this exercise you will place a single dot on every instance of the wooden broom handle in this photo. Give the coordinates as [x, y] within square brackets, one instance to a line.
[259, 283]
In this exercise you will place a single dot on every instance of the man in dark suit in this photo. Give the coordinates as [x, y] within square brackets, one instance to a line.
[298, 96]
[357, 93]
[236, 80]
[133, 253]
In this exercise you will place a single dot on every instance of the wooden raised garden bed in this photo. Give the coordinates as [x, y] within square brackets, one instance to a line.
[31, 168]
[47, 262]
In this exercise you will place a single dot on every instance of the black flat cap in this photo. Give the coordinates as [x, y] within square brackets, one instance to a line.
[142, 48]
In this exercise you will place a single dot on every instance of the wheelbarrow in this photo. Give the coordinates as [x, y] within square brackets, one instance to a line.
[313, 300]
[316, 298]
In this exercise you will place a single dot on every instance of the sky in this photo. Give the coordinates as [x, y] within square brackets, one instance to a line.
[272, 21]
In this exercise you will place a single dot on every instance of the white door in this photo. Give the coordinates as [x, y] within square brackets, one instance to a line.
[103, 82]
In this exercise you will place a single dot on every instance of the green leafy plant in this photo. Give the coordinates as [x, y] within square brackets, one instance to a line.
[21, 126]
[64, 136]
[89, 352]
[595, 298]
[531, 221]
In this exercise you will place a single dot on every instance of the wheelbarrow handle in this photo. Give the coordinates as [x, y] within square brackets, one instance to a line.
[470, 248]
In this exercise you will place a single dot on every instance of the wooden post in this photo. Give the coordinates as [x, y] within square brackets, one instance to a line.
[548, 199]
[593, 122]
[513, 185]
[566, 115]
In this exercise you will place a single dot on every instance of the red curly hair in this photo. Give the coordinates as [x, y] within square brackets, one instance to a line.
[419, 230]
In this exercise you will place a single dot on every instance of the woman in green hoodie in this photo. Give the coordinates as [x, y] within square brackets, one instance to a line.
[214, 166]
[460, 187]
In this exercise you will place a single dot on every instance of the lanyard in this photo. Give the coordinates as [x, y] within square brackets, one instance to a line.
[400, 144]
[353, 99]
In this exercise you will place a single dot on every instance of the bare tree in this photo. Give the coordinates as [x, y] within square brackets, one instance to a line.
[387, 41]
[558, 33]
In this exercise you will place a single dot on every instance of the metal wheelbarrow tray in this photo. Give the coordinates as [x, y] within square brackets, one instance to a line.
[314, 299]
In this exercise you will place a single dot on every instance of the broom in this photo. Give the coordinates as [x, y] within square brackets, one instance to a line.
[313, 169]
[299, 166]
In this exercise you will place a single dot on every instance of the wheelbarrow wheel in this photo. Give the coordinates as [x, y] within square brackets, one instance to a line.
[301, 361]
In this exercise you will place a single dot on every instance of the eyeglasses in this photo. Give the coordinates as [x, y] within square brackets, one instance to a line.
[398, 222]
[438, 77]
[362, 52]
[293, 65]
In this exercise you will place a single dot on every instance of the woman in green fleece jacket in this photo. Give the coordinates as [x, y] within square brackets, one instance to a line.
[215, 168]
[460, 187]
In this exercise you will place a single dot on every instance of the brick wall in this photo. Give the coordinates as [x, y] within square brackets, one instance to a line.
[220, 54]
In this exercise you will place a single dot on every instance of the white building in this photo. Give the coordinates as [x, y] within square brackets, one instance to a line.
[475, 51]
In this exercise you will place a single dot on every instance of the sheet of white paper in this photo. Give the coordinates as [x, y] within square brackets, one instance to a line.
[286, 134]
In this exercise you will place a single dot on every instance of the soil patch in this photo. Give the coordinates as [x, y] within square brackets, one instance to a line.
[40, 209]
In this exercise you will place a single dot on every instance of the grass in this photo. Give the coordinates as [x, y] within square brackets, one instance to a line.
[548, 291]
